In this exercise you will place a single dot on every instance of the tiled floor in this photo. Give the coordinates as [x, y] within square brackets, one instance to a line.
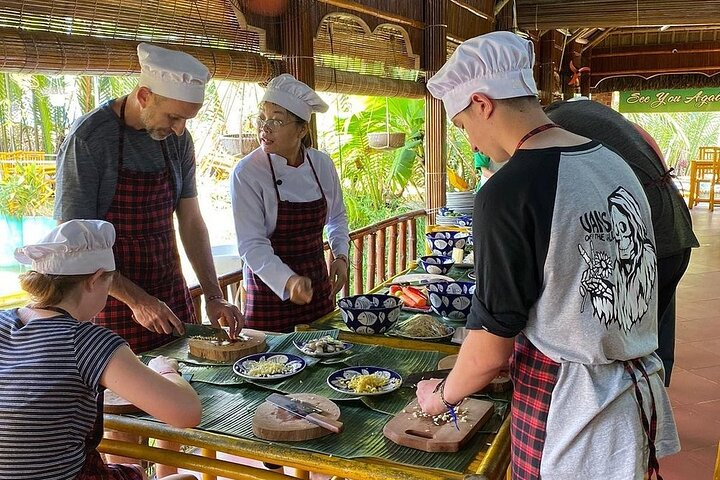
[695, 388]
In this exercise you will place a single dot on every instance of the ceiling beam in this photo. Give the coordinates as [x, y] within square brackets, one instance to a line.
[553, 14]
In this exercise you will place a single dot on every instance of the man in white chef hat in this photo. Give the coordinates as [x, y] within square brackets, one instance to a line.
[131, 162]
[565, 281]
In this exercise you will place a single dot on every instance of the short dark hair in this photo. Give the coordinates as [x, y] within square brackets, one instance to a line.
[307, 139]
[520, 104]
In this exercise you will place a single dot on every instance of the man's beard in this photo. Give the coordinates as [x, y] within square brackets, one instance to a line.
[157, 134]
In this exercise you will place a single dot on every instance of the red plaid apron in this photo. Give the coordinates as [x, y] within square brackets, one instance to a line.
[94, 467]
[298, 241]
[534, 378]
[145, 249]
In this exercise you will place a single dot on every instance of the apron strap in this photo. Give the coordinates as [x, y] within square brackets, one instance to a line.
[277, 182]
[649, 426]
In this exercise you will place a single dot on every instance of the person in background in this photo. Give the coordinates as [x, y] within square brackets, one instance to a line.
[566, 281]
[674, 237]
[51, 399]
[284, 194]
[131, 162]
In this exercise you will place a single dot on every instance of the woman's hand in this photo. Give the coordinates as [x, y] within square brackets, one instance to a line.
[300, 289]
[338, 275]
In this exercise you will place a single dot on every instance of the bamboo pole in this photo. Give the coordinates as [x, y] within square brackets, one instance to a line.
[434, 55]
[380, 258]
[413, 238]
[371, 262]
[403, 246]
[357, 265]
[392, 254]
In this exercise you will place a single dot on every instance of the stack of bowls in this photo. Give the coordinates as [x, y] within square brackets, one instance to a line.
[370, 313]
[451, 299]
[438, 264]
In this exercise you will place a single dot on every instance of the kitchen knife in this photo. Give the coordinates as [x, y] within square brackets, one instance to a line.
[305, 411]
[413, 379]
[208, 331]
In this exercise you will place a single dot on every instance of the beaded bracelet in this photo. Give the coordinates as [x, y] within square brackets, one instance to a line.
[450, 406]
[214, 297]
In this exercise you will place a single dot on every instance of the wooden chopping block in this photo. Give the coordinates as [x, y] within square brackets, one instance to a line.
[274, 423]
[213, 350]
[422, 434]
[114, 403]
[501, 383]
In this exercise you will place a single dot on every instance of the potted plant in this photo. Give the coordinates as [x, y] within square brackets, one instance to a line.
[26, 203]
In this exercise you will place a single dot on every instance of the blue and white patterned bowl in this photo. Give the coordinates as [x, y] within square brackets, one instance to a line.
[451, 299]
[438, 264]
[339, 380]
[292, 364]
[370, 313]
[464, 221]
[442, 243]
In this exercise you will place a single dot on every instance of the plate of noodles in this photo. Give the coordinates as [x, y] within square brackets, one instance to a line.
[423, 327]
[364, 381]
[268, 366]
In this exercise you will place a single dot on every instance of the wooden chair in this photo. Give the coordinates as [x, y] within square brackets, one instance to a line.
[705, 177]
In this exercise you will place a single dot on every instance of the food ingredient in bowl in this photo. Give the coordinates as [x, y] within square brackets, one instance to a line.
[423, 326]
[265, 368]
[326, 344]
[367, 383]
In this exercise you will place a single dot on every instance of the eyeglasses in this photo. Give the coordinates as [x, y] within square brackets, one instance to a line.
[271, 124]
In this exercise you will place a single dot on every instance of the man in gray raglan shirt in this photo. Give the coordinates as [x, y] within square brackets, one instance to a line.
[566, 271]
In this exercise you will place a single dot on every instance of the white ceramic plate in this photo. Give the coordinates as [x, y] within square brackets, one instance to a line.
[421, 278]
[342, 349]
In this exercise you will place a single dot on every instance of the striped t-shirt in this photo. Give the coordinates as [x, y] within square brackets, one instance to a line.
[49, 379]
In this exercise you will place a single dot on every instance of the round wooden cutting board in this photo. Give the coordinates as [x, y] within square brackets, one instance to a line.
[274, 423]
[114, 403]
[501, 383]
[208, 350]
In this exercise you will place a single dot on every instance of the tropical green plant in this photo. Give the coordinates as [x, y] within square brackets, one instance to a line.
[27, 192]
[680, 135]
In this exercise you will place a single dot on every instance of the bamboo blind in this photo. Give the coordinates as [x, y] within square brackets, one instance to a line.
[206, 23]
[551, 14]
[27, 51]
[344, 42]
[337, 81]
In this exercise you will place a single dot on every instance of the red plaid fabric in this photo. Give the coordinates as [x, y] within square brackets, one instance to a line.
[145, 251]
[96, 469]
[534, 378]
[298, 241]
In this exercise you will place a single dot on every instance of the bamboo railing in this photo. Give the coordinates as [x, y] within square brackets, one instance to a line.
[377, 252]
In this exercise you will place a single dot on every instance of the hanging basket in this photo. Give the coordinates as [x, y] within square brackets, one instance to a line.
[239, 144]
[386, 141]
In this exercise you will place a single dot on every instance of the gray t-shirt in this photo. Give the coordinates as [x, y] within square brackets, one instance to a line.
[565, 254]
[87, 163]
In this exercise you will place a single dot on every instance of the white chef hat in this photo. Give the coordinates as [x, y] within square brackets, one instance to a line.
[172, 74]
[295, 96]
[76, 247]
[498, 64]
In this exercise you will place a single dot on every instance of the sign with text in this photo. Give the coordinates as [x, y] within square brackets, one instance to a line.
[665, 101]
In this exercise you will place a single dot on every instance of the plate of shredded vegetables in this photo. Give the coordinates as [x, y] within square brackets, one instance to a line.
[364, 381]
[423, 327]
[268, 366]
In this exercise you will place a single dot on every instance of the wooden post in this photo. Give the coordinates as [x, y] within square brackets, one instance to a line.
[392, 254]
[380, 259]
[434, 54]
[413, 239]
[296, 40]
[371, 262]
[403, 246]
[357, 265]
[546, 86]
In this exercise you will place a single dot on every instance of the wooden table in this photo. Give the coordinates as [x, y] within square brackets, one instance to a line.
[490, 452]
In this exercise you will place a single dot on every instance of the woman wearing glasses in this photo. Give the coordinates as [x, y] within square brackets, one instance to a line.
[284, 194]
